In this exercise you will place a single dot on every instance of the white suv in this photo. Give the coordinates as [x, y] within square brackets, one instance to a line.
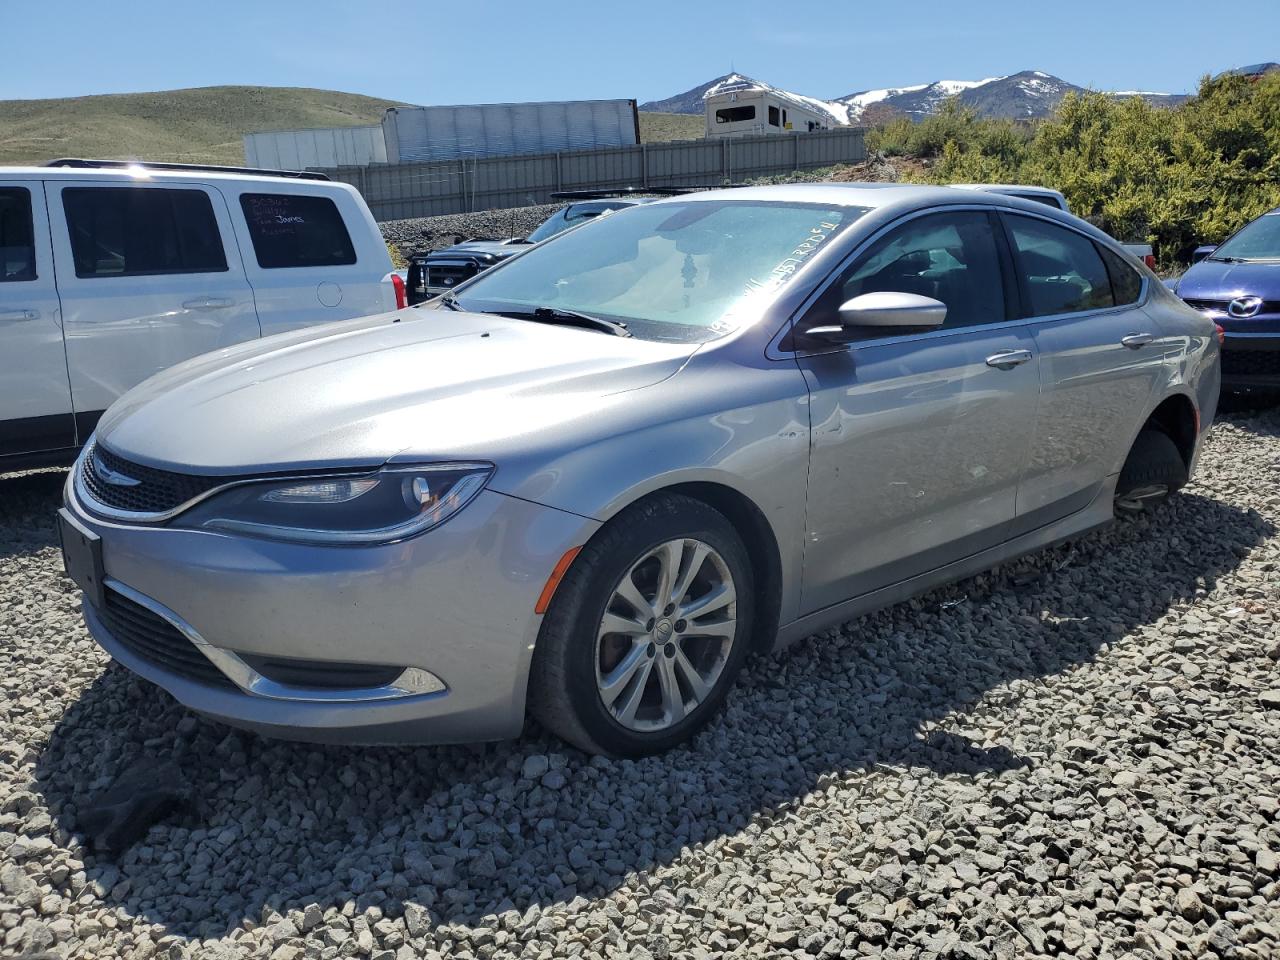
[112, 271]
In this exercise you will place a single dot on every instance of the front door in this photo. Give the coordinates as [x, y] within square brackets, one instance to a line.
[35, 398]
[918, 440]
[149, 275]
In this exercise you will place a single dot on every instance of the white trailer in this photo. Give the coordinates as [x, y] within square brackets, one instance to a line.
[424, 134]
[739, 106]
[321, 147]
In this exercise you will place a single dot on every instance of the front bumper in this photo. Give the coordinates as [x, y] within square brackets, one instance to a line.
[456, 603]
[1251, 360]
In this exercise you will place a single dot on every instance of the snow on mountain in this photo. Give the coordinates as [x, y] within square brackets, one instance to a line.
[1024, 95]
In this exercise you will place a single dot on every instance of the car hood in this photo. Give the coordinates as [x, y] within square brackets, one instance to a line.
[1213, 280]
[493, 248]
[421, 384]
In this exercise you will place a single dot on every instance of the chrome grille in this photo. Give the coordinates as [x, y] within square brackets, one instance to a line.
[155, 491]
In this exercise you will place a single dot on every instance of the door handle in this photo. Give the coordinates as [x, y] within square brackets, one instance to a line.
[1008, 359]
[19, 314]
[208, 303]
[1135, 341]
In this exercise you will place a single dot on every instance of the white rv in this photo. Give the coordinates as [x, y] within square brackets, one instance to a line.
[738, 106]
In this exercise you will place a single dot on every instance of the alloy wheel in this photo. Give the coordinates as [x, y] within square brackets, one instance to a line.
[666, 635]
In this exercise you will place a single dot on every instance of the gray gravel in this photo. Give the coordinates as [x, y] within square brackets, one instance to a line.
[435, 233]
[1077, 755]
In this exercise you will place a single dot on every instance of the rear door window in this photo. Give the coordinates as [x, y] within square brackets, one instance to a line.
[142, 231]
[295, 230]
[17, 236]
[1060, 270]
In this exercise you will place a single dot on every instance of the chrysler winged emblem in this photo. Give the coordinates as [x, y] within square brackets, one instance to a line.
[113, 477]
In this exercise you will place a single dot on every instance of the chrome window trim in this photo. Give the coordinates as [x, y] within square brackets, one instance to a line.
[412, 681]
[774, 350]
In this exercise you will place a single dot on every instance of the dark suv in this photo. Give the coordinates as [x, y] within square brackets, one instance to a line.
[1237, 285]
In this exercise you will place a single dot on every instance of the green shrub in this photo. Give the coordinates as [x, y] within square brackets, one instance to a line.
[1172, 177]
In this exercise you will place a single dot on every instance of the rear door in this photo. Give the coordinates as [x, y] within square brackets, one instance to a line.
[312, 254]
[149, 275]
[918, 439]
[1100, 359]
[35, 398]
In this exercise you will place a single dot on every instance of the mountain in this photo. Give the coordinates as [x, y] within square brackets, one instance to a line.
[199, 125]
[688, 102]
[1024, 95]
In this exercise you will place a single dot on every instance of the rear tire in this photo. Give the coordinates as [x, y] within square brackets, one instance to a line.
[658, 678]
[1153, 470]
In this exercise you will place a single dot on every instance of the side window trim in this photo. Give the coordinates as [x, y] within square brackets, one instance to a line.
[1143, 294]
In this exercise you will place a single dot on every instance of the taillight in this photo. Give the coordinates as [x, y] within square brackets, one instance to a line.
[1222, 334]
[1150, 260]
[402, 295]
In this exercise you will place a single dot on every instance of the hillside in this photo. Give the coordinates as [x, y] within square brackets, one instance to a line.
[656, 127]
[200, 125]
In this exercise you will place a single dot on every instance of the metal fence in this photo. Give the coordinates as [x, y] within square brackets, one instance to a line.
[398, 191]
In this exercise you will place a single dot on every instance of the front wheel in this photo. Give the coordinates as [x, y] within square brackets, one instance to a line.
[646, 631]
[1153, 470]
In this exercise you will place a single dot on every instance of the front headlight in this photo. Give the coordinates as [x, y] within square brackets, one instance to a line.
[382, 507]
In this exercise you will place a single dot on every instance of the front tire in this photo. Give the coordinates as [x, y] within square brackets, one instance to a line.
[1153, 470]
[647, 630]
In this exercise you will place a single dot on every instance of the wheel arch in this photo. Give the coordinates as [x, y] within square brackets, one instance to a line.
[757, 534]
[1178, 418]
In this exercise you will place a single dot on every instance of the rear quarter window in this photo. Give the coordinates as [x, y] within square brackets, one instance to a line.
[17, 240]
[1126, 283]
[295, 230]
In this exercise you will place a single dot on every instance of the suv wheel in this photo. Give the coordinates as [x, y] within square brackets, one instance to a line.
[646, 631]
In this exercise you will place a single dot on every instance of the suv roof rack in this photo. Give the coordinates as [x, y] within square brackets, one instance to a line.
[627, 192]
[82, 164]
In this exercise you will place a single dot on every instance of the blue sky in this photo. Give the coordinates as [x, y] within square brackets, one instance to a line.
[478, 51]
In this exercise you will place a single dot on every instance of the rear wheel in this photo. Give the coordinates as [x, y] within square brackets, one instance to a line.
[1153, 470]
[646, 631]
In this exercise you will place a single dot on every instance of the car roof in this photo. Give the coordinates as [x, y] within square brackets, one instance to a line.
[144, 174]
[838, 194]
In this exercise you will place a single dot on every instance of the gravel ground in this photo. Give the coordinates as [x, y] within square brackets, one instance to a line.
[435, 233]
[1077, 755]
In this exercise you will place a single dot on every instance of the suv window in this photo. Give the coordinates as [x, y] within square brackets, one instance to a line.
[952, 257]
[291, 230]
[1126, 282]
[142, 231]
[17, 235]
[1060, 269]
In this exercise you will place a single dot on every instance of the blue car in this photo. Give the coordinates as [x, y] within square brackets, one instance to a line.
[1237, 285]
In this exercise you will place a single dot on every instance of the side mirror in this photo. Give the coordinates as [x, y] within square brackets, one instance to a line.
[903, 311]
[1202, 252]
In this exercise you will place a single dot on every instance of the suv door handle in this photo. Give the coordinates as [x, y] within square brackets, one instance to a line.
[19, 314]
[208, 303]
[1135, 341]
[1008, 359]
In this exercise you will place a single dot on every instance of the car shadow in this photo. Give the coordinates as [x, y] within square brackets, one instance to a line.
[461, 832]
[28, 505]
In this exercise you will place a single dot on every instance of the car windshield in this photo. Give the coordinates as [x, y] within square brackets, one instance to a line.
[1259, 240]
[687, 270]
[570, 217]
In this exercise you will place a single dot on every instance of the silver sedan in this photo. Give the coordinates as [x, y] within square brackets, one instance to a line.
[593, 480]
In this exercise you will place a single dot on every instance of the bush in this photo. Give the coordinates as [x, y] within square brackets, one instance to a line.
[1172, 177]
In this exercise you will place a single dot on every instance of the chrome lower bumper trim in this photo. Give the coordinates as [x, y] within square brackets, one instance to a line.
[412, 681]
